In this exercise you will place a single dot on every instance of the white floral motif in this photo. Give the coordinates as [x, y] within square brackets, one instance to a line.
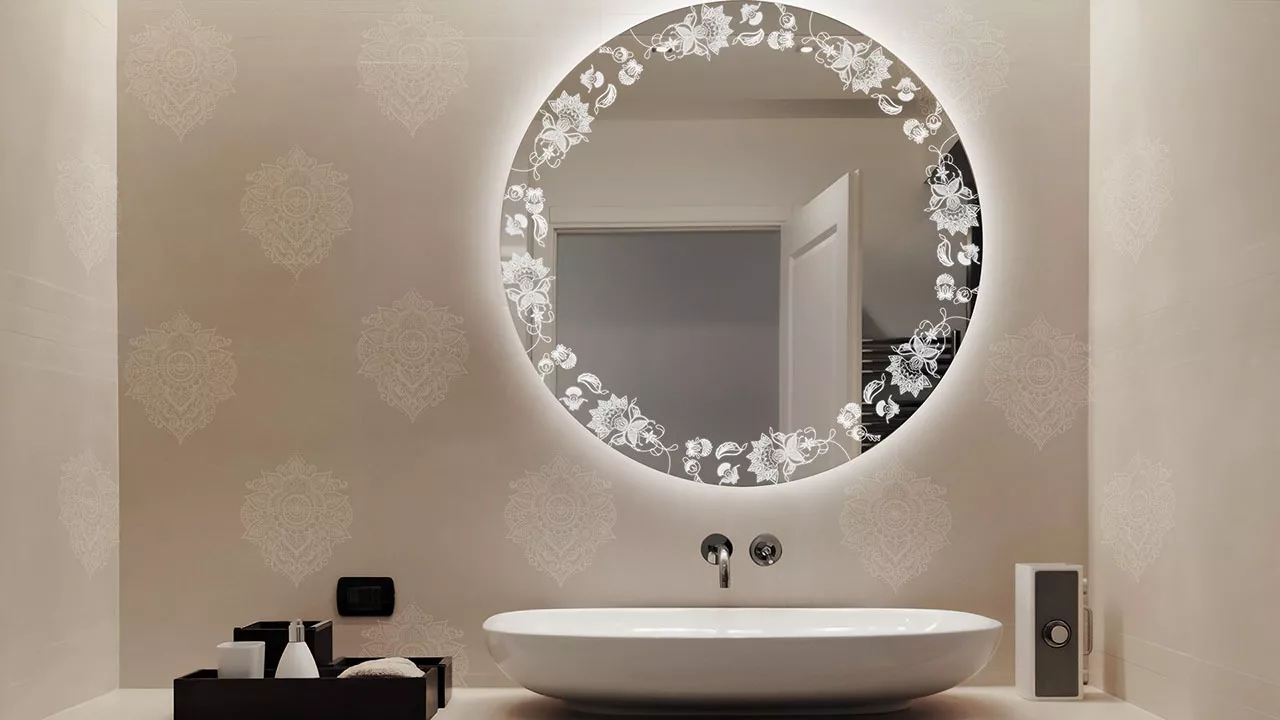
[89, 506]
[86, 200]
[517, 224]
[935, 118]
[564, 357]
[180, 69]
[411, 633]
[630, 72]
[953, 206]
[968, 55]
[528, 285]
[861, 66]
[1136, 189]
[631, 68]
[180, 372]
[619, 421]
[573, 398]
[295, 516]
[565, 124]
[897, 521]
[592, 79]
[850, 418]
[776, 456]
[1137, 511]
[907, 89]
[765, 459]
[534, 200]
[413, 350]
[412, 64]
[945, 286]
[561, 516]
[697, 448]
[1040, 378]
[916, 361]
[296, 207]
[916, 130]
[700, 37]
[951, 212]
[908, 378]
[561, 357]
[728, 473]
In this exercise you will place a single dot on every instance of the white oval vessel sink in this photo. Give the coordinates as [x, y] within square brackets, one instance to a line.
[741, 660]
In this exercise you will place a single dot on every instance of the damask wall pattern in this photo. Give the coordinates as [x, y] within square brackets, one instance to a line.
[296, 207]
[1138, 507]
[560, 516]
[320, 377]
[1137, 188]
[412, 63]
[410, 632]
[180, 68]
[896, 521]
[413, 350]
[180, 372]
[89, 506]
[296, 515]
[86, 197]
[1039, 377]
[968, 55]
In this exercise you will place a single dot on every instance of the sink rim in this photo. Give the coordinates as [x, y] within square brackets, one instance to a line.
[508, 623]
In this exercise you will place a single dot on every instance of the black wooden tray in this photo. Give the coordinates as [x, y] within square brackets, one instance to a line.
[202, 696]
[275, 633]
[443, 664]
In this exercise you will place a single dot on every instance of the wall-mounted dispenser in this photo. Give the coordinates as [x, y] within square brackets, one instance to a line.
[1051, 631]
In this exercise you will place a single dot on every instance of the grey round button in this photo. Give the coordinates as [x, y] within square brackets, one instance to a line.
[1057, 633]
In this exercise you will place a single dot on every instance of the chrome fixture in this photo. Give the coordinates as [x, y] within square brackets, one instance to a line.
[716, 550]
[766, 550]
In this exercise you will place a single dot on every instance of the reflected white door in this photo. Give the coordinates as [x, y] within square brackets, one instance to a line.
[821, 316]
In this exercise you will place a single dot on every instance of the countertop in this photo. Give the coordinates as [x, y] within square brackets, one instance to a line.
[968, 703]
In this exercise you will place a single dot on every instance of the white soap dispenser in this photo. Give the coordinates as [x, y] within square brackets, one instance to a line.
[297, 660]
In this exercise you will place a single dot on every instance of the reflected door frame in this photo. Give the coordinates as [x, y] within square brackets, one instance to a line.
[622, 219]
[828, 227]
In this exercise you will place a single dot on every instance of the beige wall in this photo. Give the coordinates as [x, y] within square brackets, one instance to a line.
[1183, 288]
[436, 477]
[59, 508]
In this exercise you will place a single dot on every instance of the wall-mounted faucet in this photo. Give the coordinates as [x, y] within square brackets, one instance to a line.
[716, 550]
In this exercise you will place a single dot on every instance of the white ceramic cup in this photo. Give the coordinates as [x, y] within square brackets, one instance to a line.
[244, 659]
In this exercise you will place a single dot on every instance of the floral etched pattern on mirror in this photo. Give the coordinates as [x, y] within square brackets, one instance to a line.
[741, 243]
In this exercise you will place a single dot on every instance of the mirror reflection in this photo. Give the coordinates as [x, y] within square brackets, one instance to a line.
[741, 243]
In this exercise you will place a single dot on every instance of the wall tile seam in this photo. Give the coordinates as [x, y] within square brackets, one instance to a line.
[1156, 701]
[13, 283]
[1205, 678]
[108, 375]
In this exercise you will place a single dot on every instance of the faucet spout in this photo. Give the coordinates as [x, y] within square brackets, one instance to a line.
[716, 550]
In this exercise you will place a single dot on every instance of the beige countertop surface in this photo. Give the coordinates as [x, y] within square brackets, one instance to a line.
[969, 703]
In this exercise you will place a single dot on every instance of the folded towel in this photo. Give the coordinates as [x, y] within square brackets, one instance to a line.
[385, 668]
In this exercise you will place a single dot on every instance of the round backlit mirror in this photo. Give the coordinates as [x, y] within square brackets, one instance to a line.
[741, 243]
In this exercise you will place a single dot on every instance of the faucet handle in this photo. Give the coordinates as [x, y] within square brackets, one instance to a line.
[711, 545]
[766, 550]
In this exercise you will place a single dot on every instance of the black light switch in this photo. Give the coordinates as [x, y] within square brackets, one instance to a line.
[366, 597]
